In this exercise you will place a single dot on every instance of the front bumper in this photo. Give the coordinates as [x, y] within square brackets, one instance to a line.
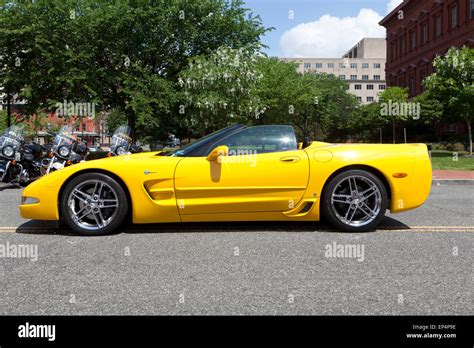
[47, 193]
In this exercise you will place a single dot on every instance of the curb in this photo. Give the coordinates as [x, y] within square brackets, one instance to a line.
[438, 182]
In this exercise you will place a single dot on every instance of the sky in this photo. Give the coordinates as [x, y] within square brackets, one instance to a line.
[319, 28]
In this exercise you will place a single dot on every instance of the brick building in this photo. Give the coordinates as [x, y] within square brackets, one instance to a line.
[418, 31]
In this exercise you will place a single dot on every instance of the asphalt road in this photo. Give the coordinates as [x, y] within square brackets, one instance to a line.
[418, 263]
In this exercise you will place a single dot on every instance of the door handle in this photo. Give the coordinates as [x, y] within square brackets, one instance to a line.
[290, 159]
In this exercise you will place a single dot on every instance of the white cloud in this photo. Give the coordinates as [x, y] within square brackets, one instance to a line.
[392, 4]
[330, 37]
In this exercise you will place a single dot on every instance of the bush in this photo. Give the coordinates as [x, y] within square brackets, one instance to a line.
[451, 146]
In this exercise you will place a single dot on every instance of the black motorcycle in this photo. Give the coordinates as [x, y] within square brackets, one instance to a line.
[20, 163]
[122, 143]
[65, 151]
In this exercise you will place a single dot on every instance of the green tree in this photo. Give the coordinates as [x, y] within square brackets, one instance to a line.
[3, 121]
[276, 89]
[119, 54]
[453, 85]
[392, 100]
[219, 89]
[367, 122]
[431, 112]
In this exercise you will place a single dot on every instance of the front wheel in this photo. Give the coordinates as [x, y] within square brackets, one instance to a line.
[94, 204]
[354, 201]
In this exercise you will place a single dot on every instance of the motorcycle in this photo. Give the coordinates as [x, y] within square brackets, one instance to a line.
[65, 151]
[122, 143]
[20, 163]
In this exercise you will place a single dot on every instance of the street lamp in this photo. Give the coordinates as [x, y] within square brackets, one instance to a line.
[315, 126]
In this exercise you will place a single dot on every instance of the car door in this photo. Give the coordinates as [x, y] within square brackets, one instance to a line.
[262, 172]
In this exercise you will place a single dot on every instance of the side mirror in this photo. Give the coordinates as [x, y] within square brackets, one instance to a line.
[217, 152]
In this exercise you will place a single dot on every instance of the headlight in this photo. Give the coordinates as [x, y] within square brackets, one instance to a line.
[63, 151]
[121, 151]
[8, 151]
[29, 200]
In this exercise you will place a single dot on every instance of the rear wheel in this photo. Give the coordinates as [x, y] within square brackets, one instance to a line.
[354, 201]
[94, 204]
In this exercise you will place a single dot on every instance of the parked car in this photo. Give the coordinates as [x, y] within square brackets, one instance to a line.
[238, 173]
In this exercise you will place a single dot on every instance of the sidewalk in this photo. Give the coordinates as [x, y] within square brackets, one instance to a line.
[453, 177]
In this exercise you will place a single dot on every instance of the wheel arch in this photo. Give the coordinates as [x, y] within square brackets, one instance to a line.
[367, 168]
[99, 171]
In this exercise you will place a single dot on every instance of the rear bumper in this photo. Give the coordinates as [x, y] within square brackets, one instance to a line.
[417, 187]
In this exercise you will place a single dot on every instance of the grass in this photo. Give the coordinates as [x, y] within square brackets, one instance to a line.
[446, 160]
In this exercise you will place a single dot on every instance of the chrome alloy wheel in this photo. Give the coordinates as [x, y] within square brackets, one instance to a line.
[92, 204]
[356, 200]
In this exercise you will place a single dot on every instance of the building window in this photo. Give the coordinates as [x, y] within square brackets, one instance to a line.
[472, 9]
[353, 65]
[318, 65]
[376, 65]
[413, 39]
[366, 65]
[394, 51]
[353, 77]
[307, 65]
[376, 77]
[365, 77]
[370, 99]
[453, 16]
[357, 86]
[370, 87]
[412, 85]
[402, 45]
[422, 77]
[424, 33]
[341, 66]
[359, 99]
[437, 26]
[342, 77]
[382, 87]
[330, 65]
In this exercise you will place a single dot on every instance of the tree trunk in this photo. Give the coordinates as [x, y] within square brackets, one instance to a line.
[393, 130]
[469, 131]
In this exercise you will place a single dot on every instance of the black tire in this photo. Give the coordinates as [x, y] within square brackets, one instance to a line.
[331, 212]
[116, 218]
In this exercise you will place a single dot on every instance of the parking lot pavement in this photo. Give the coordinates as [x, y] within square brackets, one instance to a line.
[418, 262]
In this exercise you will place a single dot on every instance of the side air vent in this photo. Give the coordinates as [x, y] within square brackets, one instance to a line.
[306, 208]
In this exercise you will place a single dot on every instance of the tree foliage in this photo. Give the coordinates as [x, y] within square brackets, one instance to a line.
[120, 54]
[219, 89]
[453, 85]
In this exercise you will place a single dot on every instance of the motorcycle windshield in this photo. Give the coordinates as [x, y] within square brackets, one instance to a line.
[65, 136]
[12, 136]
[121, 137]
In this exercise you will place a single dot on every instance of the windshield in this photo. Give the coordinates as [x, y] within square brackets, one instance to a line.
[65, 136]
[12, 136]
[185, 150]
[121, 137]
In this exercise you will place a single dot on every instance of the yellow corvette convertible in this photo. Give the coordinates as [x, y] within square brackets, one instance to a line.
[238, 173]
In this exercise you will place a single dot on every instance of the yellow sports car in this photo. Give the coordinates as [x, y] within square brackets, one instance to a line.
[238, 173]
